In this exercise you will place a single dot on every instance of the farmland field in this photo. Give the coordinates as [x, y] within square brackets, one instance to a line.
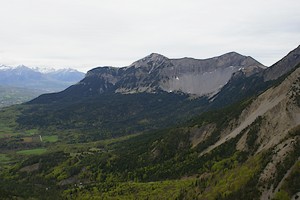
[37, 151]
[52, 138]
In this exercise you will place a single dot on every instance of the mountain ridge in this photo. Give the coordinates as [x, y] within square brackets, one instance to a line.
[157, 73]
[244, 84]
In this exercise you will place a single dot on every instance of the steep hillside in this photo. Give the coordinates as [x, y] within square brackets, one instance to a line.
[277, 106]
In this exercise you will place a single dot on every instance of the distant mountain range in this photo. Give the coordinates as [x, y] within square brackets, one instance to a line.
[21, 83]
[39, 78]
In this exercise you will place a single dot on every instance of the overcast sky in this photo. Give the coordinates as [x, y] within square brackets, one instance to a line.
[87, 33]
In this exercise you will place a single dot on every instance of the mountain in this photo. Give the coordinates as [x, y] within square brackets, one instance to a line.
[104, 144]
[101, 105]
[156, 73]
[134, 94]
[66, 75]
[187, 75]
[25, 77]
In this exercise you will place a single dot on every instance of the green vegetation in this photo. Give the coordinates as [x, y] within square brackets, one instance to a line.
[133, 190]
[32, 151]
[31, 132]
[287, 163]
[148, 165]
[282, 195]
[252, 135]
[291, 185]
[4, 158]
[8, 123]
[52, 138]
[226, 181]
[87, 119]
[114, 147]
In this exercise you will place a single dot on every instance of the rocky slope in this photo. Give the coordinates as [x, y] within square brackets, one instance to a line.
[276, 115]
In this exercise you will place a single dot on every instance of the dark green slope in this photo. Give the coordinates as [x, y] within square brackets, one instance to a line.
[155, 156]
[111, 115]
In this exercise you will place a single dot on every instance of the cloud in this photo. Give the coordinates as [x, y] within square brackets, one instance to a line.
[85, 34]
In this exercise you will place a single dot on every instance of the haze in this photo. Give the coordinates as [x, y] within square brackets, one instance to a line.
[90, 33]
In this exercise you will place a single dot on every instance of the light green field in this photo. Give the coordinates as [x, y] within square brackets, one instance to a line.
[31, 132]
[5, 131]
[32, 151]
[52, 138]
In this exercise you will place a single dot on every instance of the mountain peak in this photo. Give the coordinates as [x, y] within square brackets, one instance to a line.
[232, 54]
[21, 65]
[154, 57]
[154, 60]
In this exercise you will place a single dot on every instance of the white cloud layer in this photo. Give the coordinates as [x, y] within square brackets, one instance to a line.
[88, 33]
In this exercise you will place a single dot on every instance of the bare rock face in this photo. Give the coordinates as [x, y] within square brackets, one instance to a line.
[208, 76]
[156, 73]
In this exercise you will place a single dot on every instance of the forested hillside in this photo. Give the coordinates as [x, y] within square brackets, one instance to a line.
[156, 145]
